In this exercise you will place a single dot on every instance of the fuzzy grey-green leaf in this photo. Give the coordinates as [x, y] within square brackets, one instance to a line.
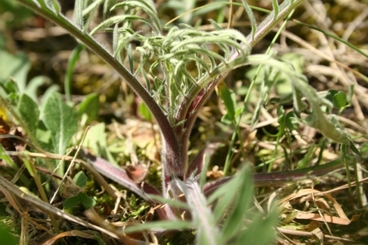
[61, 120]
[28, 110]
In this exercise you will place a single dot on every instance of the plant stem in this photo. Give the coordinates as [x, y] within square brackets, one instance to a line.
[272, 19]
[283, 177]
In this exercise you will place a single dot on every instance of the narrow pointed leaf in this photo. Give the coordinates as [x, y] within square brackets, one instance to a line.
[275, 7]
[120, 176]
[78, 14]
[253, 22]
[207, 231]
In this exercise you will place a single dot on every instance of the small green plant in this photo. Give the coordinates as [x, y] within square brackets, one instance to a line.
[80, 197]
[174, 97]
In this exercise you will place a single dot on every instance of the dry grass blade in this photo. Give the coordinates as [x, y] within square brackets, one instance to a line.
[83, 234]
[309, 194]
[325, 218]
[11, 188]
[25, 217]
[311, 234]
[94, 217]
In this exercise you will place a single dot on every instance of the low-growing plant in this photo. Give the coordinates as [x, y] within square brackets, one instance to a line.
[174, 95]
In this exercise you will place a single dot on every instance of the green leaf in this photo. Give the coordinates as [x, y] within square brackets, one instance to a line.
[331, 93]
[296, 60]
[71, 202]
[73, 58]
[5, 157]
[29, 165]
[306, 160]
[207, 231]
[28, 110]
[235, 220]
[96, 137]
[282, 100]
[61, 120]
[146, 6]
[251, 17]
[115, 40]
[261, 231]
[56, 7]
[80, 198]
[145, 112]
[275, 7]
[86, 200]
[225, 197]
[78, 14]
[364, 149]
[43, 135]
[33, 86]
[89, 106]
[228, 97]
[80, 179]
[280, 113]
[11, 86]
[46, 95]
[339, 100]
[7, 237]
[96, 141]
[16, 66]
[290, 121]
[350, 93]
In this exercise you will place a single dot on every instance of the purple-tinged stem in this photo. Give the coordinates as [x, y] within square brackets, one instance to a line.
[120, 176]
[282, 177]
